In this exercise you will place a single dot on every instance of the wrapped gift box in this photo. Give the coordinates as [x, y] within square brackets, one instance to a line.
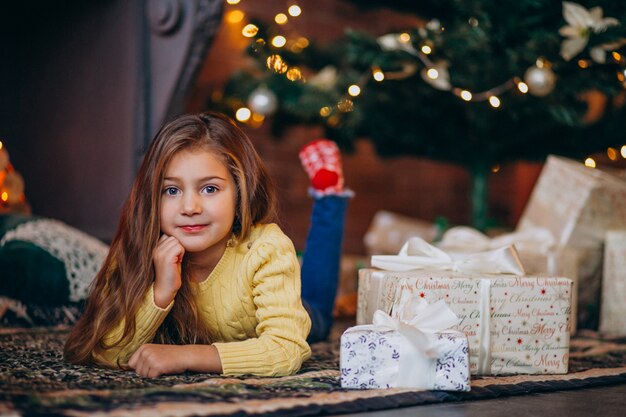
[514, 324]
[613, 305]
[536, 250]
[578, 205]
[412, 351]
[388, 232]
[558, 262]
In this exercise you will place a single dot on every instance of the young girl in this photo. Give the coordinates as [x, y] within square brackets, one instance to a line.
[197, 277]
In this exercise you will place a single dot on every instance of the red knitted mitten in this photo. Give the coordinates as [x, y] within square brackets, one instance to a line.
[322, 162]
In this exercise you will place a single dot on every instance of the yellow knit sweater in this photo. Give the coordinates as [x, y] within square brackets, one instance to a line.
[251, 304]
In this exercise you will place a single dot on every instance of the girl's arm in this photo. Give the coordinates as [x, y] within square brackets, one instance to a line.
[151, 361]
[283, 324]
[158, 302]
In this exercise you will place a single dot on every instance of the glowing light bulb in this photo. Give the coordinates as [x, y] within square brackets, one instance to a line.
[427, 49]
[616, 56]
[1, 145]
[623, 151]
[354, 90]
[4, 196]
[583, 64]
[325, 111]
[494, 101]
[495, 168]
[294, 10]
[294, 74]
[590, 162]
[233, 1]
[466, 95]
[378, 74]
[279, 41]
[243, 114]
[235, 16]
[432, 73]
[405, 37]
[249, 30]
[281, 18]
[523, 87]
[276, 64]
[612, 154]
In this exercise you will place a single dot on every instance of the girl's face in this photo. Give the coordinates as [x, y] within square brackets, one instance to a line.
[198, 203]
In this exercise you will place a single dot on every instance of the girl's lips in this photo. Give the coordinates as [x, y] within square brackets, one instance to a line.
[193, 228]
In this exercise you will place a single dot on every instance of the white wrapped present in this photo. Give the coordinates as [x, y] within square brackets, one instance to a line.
[413, 352]
[613, 305]
[578, 205]
[515, 324]
[536, 248]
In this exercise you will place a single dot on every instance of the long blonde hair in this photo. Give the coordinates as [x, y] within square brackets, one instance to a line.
[128, 272]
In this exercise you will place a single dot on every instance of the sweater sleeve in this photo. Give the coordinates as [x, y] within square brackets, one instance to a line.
[148, 319]
[283, 323]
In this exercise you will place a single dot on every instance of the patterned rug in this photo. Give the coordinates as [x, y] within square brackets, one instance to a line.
[35, 381]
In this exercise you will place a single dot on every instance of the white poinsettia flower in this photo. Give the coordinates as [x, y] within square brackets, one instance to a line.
[580, 23]
[392, 42]
[325, 79]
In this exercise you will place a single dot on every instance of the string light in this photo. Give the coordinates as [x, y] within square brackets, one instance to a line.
[325, 111]
[294, 10]
[522, 87]
[495, 168]
[623, 151]
[590, 162]
[5, 196]
[243, 114]
[494, 101]
[432, 73]
[235, 16]
[279, 41]
[281, 18]
[354, 90]
[378, 74]
[426, 49]
[466, 95]
[250, 30]
[233, 1]
[405, 37]
[294, 74]
[612, 154]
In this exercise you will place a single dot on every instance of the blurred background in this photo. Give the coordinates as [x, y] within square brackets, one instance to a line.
[86, 84]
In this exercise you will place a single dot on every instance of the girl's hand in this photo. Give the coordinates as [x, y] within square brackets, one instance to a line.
[151, 361]
[167, 258]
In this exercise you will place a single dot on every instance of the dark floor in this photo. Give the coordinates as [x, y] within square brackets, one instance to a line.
[597, 402]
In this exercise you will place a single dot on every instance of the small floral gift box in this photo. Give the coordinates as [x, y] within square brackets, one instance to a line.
[418, 353]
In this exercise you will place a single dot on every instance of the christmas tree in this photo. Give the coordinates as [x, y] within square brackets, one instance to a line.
[477, 83]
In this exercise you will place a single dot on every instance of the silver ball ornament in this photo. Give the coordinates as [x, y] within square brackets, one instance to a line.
[263, 101]
[540, 81]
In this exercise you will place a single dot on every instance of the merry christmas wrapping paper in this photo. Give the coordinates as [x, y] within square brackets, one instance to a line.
[514, 324]
[578, 205]
[536, 250]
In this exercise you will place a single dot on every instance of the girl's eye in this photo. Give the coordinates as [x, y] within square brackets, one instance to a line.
[209, 189]
[170, 191]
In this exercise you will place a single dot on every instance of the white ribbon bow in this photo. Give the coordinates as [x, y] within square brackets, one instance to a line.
[463, 238]
[418, 322]
[416, 253]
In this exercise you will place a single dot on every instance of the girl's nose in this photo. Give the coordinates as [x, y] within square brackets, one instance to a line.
[191, 204]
